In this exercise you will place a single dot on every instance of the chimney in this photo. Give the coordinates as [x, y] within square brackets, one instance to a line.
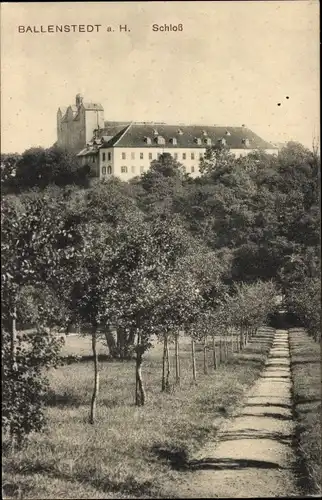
[79, 100]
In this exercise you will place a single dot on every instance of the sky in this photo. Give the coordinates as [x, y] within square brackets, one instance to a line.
[244, 62]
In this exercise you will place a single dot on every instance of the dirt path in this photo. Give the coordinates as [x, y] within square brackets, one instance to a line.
[253, 454]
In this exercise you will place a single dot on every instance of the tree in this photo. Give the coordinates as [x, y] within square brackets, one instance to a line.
[142, 291]
[179, 304]
[304, 300]
[217, 159]
[8, 171]
[40, 167]
[164, 179]
[33, 244]
[249, 307]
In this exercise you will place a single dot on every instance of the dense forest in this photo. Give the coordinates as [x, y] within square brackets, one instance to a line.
[150, 257]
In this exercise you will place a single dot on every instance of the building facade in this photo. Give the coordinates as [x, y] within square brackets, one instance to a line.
[126, 150]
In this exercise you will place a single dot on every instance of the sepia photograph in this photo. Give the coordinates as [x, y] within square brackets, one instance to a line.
[160, 249]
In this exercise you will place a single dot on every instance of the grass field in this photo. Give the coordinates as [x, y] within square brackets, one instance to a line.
[306, 372]
[131, 452]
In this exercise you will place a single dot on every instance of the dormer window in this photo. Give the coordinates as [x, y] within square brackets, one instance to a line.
[246, 142]
[147, 140]
[198, 141]
[174, 141]
[180, 132]
[208, 141]
[155, 132]
[204, 133]
[227, 132]
[160, 140]
[222, 141]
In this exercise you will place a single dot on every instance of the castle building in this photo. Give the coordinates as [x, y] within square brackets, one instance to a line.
[126, 149]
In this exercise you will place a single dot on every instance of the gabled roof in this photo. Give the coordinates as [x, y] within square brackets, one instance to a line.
[112, 128]
[62, 109]
[116, 138]
[135, 134]
[74, 111]
[92, 106]
[88, 151]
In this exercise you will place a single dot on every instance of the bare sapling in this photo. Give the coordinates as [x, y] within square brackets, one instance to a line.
[177, 358]
[205, 362]
[140, 396]
[214, 353]
[193, 355]
[92, 416]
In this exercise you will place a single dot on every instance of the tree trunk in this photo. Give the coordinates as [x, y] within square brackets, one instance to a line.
[241, 338]
[232, 341]
[194, 371]
[111, 341]
[168, 369]
[164, 358]
[177, 359]
[205, 367]
[226, 347]
[96, 377]
[221, 356]
[214, 353]
[139, 388]
[128, 342]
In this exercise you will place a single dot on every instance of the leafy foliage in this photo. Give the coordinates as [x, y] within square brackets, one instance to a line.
[162, 253]
[24, 387]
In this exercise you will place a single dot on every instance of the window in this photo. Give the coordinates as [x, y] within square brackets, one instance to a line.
[192, 156]
[123, 156]
[150, 156]
[109, 169]
[124, 169]
[93, 159]
[174, 141]
[103, 156]
[159, 155]
[132, 156]
[198, 140]
[175, 156]
[141, 170]
[133, 169]
[200, 155]
[208, 141]
[147, 140]
[192, 169]
[184, 156]
[246, 142]
[104, 170]
[141, 156]
[109, 156]
[160, 140]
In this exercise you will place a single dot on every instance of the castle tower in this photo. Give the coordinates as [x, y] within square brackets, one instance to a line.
[76, 124]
